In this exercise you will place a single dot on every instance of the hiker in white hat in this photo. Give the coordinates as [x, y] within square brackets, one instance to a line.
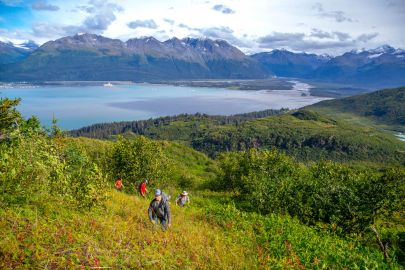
[183, 199]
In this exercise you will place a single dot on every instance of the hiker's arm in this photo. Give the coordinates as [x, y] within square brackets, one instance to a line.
[150, 210]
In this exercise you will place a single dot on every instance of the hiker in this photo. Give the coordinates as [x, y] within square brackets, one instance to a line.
[159, 210]
[142, 188]
[183, 199]
[118, 184]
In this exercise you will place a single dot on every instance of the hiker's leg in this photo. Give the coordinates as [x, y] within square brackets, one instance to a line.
[163, 223]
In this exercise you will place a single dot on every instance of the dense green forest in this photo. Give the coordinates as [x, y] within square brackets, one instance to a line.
[305, 134]
[145, 127]
[249, 209]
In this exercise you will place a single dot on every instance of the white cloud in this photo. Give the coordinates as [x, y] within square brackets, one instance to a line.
[143, 23]
[48, 30]
[224, 33]
[42, 5]
[171, 22]
[11, 2]
[223, 9]
[367, 37]
[317, 41]
[337, 15]
[343, 24]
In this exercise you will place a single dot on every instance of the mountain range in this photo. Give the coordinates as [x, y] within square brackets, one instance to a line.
[11, 53]
[94, 57]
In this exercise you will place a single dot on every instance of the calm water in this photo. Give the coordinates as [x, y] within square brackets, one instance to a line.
[79, 106]
[400, 136]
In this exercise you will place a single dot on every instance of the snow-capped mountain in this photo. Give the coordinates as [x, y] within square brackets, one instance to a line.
[382, 66]
[12, 53]
[94, 57]
[27, 45]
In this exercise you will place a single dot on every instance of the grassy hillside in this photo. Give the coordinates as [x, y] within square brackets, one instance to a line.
[119, 236]
[213, 237]
[249, 210]
[383, 107]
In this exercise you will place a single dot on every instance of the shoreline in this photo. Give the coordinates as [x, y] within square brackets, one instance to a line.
[231, 84]
[315, 89]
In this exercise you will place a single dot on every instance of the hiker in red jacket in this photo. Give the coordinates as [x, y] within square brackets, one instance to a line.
[118, 184]
[142, 188]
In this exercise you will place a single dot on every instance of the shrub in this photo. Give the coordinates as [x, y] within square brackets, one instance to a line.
[35, 168]
[138, 159]
[78, 180]
[328, 192]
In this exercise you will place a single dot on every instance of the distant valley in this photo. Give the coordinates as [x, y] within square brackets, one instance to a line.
[89, 57]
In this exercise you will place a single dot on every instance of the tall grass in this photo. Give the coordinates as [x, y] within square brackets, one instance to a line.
[117, 236]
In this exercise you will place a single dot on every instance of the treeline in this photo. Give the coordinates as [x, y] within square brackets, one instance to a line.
[142, 127]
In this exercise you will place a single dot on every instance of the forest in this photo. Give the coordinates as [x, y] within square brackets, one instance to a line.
[305, 134]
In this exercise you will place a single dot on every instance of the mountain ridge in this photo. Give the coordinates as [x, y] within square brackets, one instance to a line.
[94, 57]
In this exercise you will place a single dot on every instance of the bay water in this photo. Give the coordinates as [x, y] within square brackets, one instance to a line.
[78, 106]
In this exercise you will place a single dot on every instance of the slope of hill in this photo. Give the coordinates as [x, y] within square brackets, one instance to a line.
[384, 106]
[58, 209]
[120, 236]
[304, 134]
[93, 57]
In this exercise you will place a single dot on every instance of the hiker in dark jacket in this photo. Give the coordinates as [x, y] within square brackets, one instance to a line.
[159, 210]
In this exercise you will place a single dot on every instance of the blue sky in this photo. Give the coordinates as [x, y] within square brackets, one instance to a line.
[15, 17]
[332, 27]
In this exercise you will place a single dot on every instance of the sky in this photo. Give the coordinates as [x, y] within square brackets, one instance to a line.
[323, 27]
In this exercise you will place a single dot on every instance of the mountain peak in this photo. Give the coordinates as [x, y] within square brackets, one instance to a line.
[203, 42]
[27, 45]
[383, 49]
[175, 42]
[379, 50]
